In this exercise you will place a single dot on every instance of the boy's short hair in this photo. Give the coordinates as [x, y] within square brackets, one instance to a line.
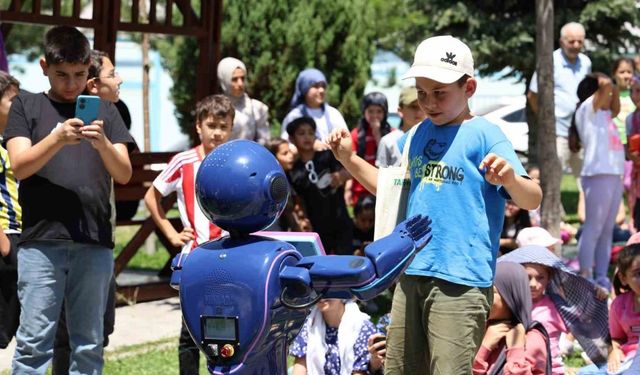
[6, 82]
[295, 124]
[444, 59]
[66, 44]
[95, 66]
[214, 105]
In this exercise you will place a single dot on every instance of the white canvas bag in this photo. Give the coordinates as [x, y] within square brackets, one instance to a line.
[392, 193]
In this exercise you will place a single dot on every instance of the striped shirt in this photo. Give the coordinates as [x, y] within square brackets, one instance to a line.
[180, 176]
[10, 210]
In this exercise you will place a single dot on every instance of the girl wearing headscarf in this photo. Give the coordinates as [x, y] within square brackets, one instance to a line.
[309, 100]
[513, 343]
[333, 340]
[365, 137]
[252, 116]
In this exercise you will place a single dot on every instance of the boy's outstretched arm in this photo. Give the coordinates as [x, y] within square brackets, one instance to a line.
[340, 143]
[526, 193]
[153, 200]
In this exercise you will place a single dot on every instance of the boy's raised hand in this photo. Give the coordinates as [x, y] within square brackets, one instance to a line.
[498, 171]
[69, 132]
[340, 143]
[94, 132]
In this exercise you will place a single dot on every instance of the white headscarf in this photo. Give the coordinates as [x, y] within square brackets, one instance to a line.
[226, 67]
[348, 332]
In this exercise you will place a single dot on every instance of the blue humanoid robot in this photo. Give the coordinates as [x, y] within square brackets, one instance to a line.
[244, 297]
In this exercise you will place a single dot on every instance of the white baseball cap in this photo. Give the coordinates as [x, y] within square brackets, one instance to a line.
[536, 236]
[441, 58]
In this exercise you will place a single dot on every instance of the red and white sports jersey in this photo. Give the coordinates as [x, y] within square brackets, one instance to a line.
[180, 176]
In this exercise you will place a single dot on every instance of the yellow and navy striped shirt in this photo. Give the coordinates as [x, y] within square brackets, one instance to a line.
[10, 210]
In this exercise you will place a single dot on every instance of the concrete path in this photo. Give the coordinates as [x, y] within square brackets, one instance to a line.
[135, 324]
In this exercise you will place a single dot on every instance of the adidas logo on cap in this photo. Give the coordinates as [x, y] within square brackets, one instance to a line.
[443, 59]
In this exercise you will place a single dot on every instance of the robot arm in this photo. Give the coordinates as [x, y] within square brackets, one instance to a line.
[363, 277]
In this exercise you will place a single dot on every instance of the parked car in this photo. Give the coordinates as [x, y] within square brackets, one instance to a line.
[512, 120]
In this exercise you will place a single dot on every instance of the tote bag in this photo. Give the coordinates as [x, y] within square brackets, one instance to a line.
[392, 193]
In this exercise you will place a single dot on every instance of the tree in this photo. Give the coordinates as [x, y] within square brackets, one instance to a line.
[501, 34]
[551, 175]
[278, 39]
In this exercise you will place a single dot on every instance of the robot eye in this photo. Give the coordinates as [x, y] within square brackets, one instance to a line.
[279, 188]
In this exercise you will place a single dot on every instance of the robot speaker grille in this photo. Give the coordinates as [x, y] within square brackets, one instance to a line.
[279, 188]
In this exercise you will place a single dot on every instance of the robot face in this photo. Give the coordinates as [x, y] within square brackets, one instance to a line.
[241, 187]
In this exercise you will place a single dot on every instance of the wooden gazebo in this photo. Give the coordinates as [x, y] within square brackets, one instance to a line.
[106, 21]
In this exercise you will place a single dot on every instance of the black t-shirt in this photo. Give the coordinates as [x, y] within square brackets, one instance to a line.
[68, 199]
[325, 206]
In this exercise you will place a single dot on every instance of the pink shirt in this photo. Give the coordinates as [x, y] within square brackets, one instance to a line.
[520, 361]
[624, 323]
[545, 312]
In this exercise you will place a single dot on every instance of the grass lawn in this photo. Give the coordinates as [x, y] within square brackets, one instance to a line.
[161, 357]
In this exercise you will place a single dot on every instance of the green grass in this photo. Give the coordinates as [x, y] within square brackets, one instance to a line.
[569, 197]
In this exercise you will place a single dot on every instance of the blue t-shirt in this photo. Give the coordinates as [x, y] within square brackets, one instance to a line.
[467, 211]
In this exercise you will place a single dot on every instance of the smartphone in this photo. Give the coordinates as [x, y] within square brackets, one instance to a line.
[87, 107]
[378, 339]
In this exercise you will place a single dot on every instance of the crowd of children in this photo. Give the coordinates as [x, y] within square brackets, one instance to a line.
[458, 309]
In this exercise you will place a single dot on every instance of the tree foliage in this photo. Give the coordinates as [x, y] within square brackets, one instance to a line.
[502, 33]
[278, 39]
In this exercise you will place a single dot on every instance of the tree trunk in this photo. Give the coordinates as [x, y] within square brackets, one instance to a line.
[550, 170]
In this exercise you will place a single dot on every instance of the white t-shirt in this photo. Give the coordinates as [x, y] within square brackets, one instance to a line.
[603, 150]
[326, 120]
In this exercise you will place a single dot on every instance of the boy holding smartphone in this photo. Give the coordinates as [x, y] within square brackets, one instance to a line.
[65, 252]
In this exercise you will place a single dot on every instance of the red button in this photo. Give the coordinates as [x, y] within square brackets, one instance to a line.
[227, 351]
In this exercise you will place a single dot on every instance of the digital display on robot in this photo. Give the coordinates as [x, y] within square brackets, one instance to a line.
[220, 328]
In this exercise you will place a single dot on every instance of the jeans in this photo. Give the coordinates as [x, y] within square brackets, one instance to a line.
[61, 347]
[50, 272]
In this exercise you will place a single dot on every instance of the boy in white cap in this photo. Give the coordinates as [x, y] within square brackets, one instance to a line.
[462, 170]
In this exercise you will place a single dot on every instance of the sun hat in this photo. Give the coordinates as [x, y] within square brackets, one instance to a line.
[536, 236]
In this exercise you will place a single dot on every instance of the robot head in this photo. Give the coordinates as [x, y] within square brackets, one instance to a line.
[241, 187]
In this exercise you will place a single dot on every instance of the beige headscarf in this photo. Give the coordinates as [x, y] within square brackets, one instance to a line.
[226, 67]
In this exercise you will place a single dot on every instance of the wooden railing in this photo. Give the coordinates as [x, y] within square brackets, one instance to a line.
[135, 190]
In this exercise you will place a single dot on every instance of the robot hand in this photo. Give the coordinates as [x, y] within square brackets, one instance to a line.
[345, 276]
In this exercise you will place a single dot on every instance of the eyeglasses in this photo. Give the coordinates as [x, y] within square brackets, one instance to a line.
[111, 75]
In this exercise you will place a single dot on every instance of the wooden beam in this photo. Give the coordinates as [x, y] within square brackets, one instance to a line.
[56, 7]
[188, 15]
[42, 19]
[76, 8]
[15, 5]
[168, 12]
[209, 47]
[160, 29]
[36, 6]
[152, 11]
[135, 12]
